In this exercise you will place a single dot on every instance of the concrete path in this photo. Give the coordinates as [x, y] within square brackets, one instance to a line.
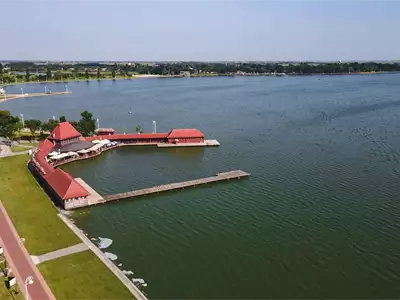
[2, 154]
[24, 146]
[4, 150]
[59, 253]
[20, 262]
[113, 268]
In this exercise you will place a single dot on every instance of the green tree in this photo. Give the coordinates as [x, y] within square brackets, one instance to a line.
[87, 74]
[8, 124]
[18, 127]
[75, 125]
[98, 73]
[33, 125]
[1, 68]
[87, 124]
[139, 129]
[58, 75]
[27, 75]
[33, 77]
[48, 74]
[63, 119]
[49, 125]
[113, 73]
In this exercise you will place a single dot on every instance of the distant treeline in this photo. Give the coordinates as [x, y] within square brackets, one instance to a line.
[29, 71]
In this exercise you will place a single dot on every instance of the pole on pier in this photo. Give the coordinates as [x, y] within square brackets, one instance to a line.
[22, 119]
[98, 123]
[154, 126]
[22, 91]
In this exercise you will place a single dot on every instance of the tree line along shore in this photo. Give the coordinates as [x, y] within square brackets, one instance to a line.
[19, 72]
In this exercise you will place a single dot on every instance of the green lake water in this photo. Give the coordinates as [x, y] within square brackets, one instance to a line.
[318, 218]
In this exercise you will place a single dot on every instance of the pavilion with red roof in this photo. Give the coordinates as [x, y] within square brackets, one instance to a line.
[66, 139]
[66, 144]
[191, 135]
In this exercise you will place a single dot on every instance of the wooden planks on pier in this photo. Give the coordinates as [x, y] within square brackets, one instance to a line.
[179, 185]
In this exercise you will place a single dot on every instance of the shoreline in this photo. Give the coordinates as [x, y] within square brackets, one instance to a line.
[155, 76]
[19, 96]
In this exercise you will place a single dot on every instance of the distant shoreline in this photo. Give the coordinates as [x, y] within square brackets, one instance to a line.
[154, 76]
[27, 95]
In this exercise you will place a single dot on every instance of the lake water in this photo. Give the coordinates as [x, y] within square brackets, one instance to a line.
[318, 218]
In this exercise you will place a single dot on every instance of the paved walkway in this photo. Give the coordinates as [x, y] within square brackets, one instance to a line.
[59, 253]
[5, 151]
[20, 262]
[113, 268]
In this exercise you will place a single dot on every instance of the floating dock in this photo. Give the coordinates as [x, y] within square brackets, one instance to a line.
[179, 185]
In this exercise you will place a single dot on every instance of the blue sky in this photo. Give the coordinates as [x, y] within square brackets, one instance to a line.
[200, 30]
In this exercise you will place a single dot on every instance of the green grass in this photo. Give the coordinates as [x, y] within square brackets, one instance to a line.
[30, 144]
[77, 276]
[31, 212]
[19, 148]
[8, 294]
[82, 276]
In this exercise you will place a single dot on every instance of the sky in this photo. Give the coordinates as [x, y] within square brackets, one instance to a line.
[219, 30]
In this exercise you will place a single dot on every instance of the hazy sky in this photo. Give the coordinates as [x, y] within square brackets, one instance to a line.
[200, 30]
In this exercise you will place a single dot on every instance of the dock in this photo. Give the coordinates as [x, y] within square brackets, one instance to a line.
[179, 185]
[94, 197]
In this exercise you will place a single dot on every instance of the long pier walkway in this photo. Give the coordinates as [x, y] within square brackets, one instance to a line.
[179, 185]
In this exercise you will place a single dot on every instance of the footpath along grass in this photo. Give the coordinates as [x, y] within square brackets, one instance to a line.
[78, 276]
[69, 279]
[31, 212]
[19, 149]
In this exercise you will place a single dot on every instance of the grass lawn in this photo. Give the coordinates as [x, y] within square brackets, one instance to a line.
[82, 276]
[9, 294]
[77, 276]
[33, 144]
[5, 293]
[31, 212]
[19, 148]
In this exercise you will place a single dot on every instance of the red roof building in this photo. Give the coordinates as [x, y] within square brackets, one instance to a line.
[156, 137]
[45, 146]
[64, 133]
[104, 131]
[185, 136]
[41, 163]
[65, 186]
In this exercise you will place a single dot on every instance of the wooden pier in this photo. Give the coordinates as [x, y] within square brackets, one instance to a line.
[179, 185]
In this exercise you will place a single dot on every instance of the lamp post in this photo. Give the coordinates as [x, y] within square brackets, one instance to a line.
[28, 281]
[22, 119]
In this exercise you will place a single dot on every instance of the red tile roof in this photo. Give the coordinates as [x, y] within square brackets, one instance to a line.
[185, 133]
[40, 157]
[45, 146]
[121, 136]
[65, 186]
[64, 131]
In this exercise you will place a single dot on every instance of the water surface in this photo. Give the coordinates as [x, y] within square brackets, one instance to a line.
[317, 218]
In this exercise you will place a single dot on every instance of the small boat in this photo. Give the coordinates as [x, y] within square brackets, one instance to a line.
[130, 112]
